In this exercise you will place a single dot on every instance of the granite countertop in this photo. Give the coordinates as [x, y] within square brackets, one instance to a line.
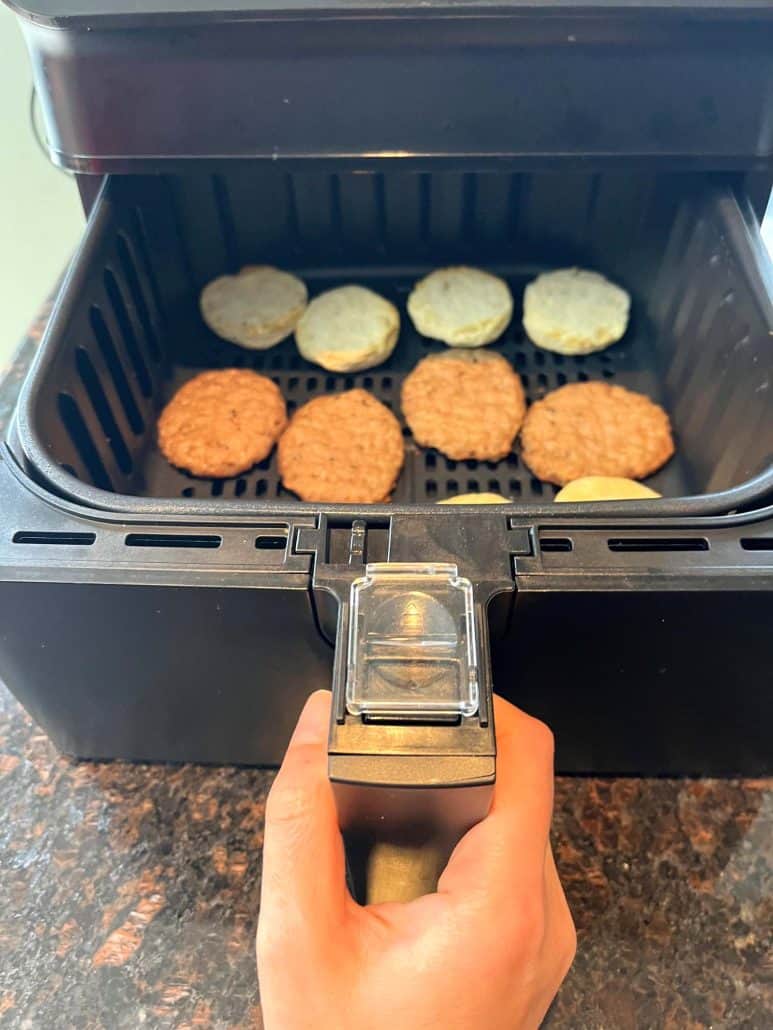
[129, 894]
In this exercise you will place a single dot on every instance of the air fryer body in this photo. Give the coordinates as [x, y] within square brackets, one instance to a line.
[151, 616]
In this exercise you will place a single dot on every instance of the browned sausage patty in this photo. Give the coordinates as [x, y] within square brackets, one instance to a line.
[220, 423]
[467, 404]
[345, 448]
[595, 429]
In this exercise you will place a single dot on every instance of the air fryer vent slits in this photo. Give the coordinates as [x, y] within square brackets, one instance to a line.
[556, 545]
[116, 370]
[118, 366]
[271, 542]
[140, 235]
[52, 538]
[121, 313]
[137, 294]
[201, 541]
[93, 386]
[83, 441]
[757, 543]
[373, 215]
[654, 544]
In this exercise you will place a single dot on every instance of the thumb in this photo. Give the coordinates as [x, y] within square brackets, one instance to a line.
[304, 883]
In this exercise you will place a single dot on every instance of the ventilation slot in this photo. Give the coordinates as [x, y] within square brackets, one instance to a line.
[141, 236]
[552, 544]
[117, 374]
[225, 216]
[380, 195]
[658, 544]
[469, 204]
[293, 224]
[100, 404]
[78, 431]
[757, 543]
[336, 217]
[64, 539]
[425, 202]
[127, 332]
[271, 542]
[171, 540]
[138, 297]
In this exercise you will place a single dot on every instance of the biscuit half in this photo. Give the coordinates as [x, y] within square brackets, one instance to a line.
[480, 498]
[574, 311]
[604, 488]
[348, 329]
[256, 309]
[461, 306]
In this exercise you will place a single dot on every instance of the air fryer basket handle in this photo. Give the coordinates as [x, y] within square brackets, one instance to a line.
[394, 870]
[411, 749]
[409, 782]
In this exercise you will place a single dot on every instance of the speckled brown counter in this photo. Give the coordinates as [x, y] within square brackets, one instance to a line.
[129, 894]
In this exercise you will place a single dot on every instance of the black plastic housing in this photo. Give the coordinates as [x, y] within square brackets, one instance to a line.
[149, 616]
[126, 86]
[646, 645]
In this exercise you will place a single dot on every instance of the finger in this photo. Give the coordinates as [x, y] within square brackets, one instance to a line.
[525, 751]
[303, 856]
[508, 847]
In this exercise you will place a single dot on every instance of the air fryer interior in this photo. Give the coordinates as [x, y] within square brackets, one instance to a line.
[128, 331]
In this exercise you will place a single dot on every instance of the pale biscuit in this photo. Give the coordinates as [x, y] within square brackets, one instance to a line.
[220, 423]
[348, 329]
[256, 308]
[604, 488]
[463, 307]
[481, 498]
[595, 429]
[344, 448]
[467, 404]
[573, 311]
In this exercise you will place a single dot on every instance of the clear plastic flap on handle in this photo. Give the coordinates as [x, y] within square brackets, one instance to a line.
[412, 647]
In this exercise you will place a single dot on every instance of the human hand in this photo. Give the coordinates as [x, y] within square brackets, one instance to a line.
[487, 951]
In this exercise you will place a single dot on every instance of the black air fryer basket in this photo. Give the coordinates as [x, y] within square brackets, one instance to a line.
[183, 618]
[128, 330]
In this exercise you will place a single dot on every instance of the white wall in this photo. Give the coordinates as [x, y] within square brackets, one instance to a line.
[40, 213]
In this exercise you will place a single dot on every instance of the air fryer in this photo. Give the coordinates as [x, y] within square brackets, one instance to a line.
[187, 619]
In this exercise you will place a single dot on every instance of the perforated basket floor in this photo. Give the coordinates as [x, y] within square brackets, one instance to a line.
[427, 476]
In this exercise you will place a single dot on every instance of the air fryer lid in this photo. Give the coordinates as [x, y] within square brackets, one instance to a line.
[687, 81]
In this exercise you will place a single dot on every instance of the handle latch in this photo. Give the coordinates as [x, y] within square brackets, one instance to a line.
[412, 648]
